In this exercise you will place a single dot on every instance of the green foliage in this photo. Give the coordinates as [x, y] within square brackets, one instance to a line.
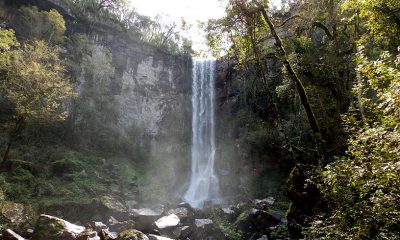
[7, 43]
[30, 23]
[35, 82]
[363, 189]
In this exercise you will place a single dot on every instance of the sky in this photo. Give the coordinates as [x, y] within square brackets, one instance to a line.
[192, 11]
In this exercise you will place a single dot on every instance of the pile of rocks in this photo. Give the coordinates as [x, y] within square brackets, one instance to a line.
[143, 224]
[178, 222]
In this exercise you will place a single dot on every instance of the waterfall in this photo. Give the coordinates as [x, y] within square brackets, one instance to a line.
[204, 184]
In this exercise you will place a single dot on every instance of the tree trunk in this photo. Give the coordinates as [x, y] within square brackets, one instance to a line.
[299, 87]
[18, 127]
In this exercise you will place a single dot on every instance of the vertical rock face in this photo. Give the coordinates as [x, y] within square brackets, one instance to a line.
[135, 99]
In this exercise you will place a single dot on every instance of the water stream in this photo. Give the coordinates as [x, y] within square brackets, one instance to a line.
[204, 184]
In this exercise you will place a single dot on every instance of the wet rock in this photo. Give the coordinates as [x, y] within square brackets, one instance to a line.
[9, 234]
[263, 204]
[167, 221]
[132, 234]
[49, 227]
[145, 217]
[156, 237]
[184, 214]
[203, 228]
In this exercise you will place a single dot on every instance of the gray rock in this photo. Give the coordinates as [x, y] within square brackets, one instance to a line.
[184, 214]
[49, 227]
[9, 234]
[145, 217]
[169, 221]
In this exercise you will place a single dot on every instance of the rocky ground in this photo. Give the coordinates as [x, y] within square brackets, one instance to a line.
[242, 221]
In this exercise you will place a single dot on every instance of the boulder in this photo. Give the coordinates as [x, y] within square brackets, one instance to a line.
[185, 215]
[145, 217]
[9, 234]
[49, 227]
[132, 234]
[156, 237]
[203, 228]
[169, 221]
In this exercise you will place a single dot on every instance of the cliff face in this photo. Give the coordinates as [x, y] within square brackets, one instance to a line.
[136, 99]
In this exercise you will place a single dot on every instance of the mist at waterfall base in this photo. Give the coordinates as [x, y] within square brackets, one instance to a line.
[204, 184]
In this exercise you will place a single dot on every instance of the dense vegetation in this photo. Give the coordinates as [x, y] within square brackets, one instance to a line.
[317, 81]
[341, 61]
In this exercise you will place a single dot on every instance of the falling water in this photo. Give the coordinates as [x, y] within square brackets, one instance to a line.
[204, 184]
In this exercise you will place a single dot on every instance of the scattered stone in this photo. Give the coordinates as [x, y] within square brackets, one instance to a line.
[156, 237]
[9, 234]
[49, 227]
[167, 222]
[132, 234]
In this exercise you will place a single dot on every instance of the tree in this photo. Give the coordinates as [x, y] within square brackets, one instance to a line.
[30, 23]
[248, 23]
[34, 81]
